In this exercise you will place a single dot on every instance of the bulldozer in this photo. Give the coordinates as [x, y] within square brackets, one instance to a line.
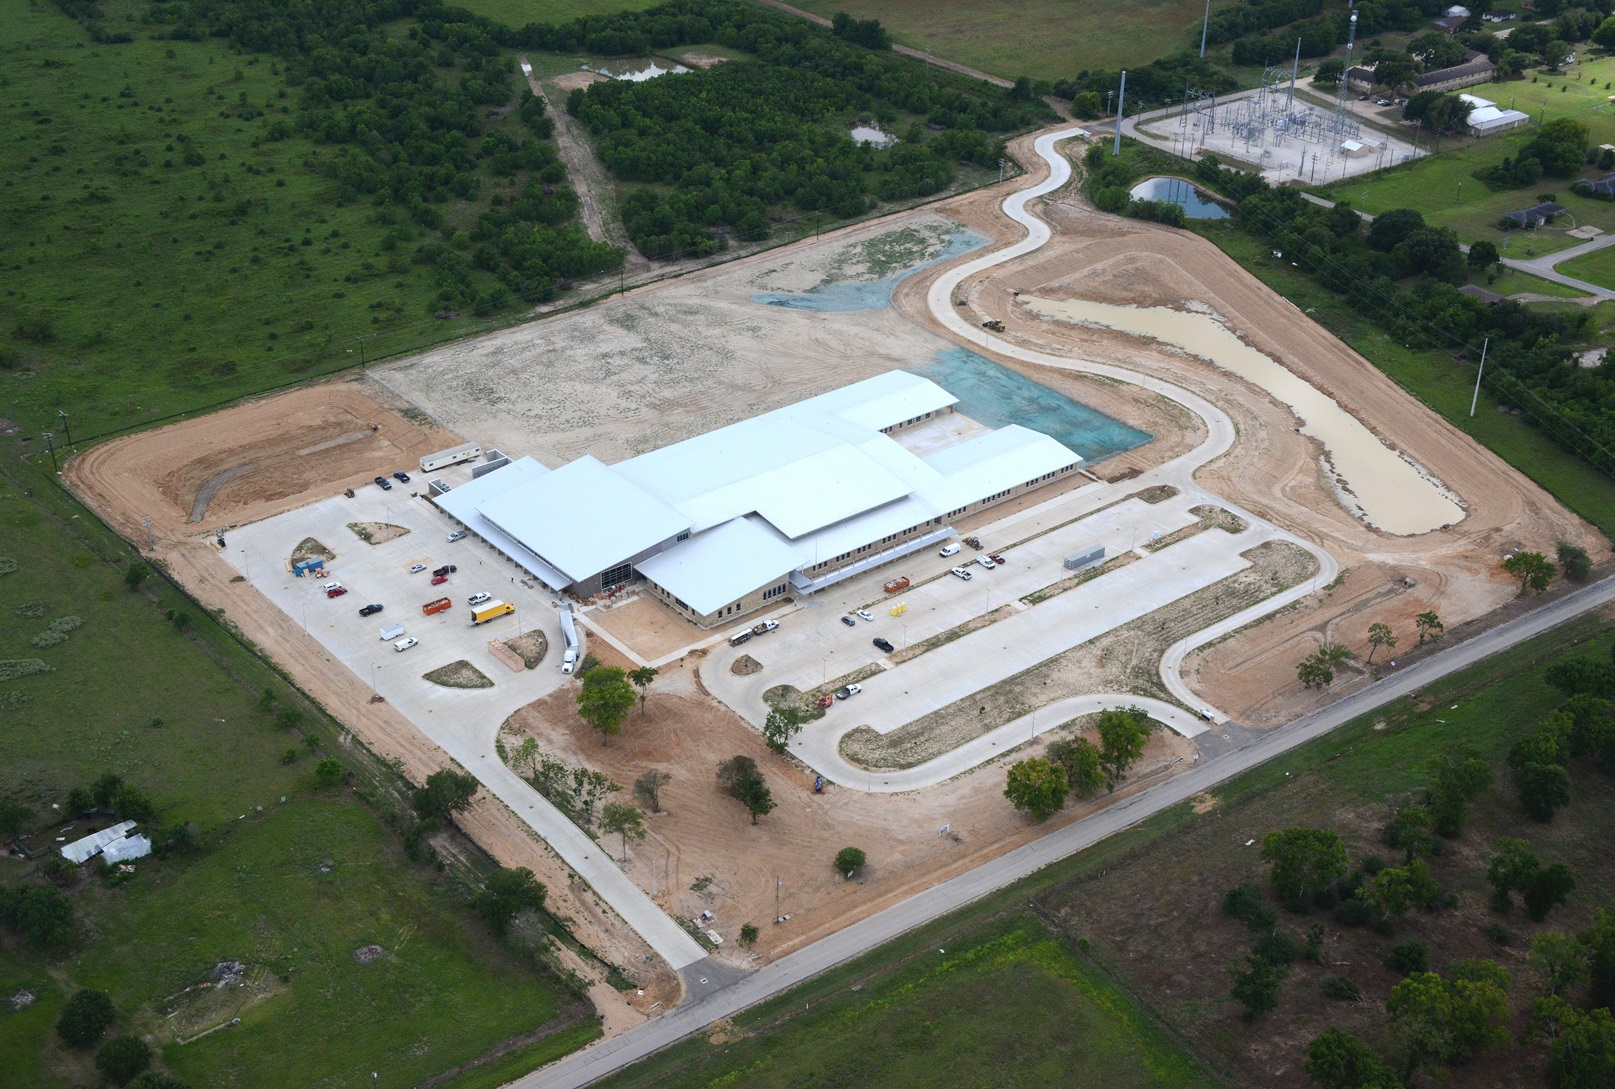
[993, 324]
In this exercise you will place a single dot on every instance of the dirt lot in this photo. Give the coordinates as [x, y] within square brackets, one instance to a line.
[666, 362]
[703, 833]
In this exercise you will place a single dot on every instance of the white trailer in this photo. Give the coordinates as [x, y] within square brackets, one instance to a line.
[452, 456]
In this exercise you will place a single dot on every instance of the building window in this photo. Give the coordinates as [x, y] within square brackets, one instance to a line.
[774, 591]
[685, 536]
[615, 575]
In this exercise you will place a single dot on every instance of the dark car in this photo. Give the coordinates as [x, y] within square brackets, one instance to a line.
[446, 569]
[401, 477]
[884, 644]
[384, 484]
[849, 621]
[370, 610]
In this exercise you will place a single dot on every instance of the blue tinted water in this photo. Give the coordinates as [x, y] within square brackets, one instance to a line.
[1178, 191]
[869, 295]
[997, 396]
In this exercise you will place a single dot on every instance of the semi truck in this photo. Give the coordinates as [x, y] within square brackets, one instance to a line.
[569, 633]
[491, 610]
[436, 606]
[452, 456]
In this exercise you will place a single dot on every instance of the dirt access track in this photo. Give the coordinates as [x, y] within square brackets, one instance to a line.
[632, 374]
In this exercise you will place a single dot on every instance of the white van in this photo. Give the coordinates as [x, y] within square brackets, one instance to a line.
[950, 550]
[404, 644]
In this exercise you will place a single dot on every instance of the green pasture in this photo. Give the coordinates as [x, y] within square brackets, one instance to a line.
[1437, 379]
[1597, 267]
[1005, 1004]
[162, 247]
[1044, 39]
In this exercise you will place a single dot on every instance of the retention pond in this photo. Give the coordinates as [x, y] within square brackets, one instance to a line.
[1381, 485]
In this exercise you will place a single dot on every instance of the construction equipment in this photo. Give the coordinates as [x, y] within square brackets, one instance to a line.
[993, 324]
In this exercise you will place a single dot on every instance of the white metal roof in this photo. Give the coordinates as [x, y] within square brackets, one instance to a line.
[722, 565]
[127, 849]
[94, 843]
[1492, 117]
[880, 402]
[987, 464]
[583, 517]
[463, 502]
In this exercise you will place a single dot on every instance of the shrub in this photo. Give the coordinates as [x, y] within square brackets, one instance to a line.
[749, 934]
[1498, 933]
[1354, 913]
[122, 1058]
[39, 913]
[1408, 958]
[1341, 988]
[1277, 947]
[1246, 904]
[849, 860]
[85, 1018]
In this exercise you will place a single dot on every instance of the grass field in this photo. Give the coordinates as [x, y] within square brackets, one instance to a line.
[1044, 39]
[160, 250]
[1597, 267]
[1436, 379]
[1005, 1004]
[1443, 186]
[171, 713]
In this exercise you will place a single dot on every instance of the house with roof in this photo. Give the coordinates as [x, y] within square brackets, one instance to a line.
[1477, 68]
[1602, 188]
[1538, 215]
[787, 502]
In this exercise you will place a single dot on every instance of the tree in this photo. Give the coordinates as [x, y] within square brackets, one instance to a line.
[136, 573]
[1256, 986]
[1461, 776]
[1532, 569]
[1329, 72]
[1409, 831]
[1480, 1013]
[749, 934]
[1022, 91]
[85, 1018]
[1314, 672]
[328, 773]
[122, 1058]
[625, 821]
[446, 791]
[1514, 866]
[1604, 36]
[1558, 960]
[782, 724]
[1421, 1013]
[1335, 1060]
[1395, 74]
[739, 778]
[104, 789]
[506, 894]
[1547, 890]
[604, 700]
[641, 679]
[1380, 635]
[1080, 759]
[1560, 146]
[1581, 1051]
[1482, 256]
[648, 788]
[1555, 54]
[151, 1079]
[1574, 561]
[1544, 788]
[1123, 733]
[14, 817]
[1600, 942]
[39, 913]
[849, 860]
[1430, 626]
[1305, 862]
[1388, 230]
[1036, 786]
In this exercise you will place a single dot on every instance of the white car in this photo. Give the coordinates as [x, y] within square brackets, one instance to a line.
[417, 568]
[329, 586]
[986, 561]
[457, 535]
[404, 644]
[950, 550]
[477, 599]
[961, 572]
[865, 614]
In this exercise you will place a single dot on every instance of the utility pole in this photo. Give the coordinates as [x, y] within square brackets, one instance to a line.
[1473, 401]
[51, 450]
[1121, 109]
[61, 414]
[777, 884]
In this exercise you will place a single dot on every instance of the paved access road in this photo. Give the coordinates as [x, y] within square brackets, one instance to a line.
[609, 1056]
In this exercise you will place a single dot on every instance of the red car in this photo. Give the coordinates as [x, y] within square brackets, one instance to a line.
[336, 591]
[439, 580]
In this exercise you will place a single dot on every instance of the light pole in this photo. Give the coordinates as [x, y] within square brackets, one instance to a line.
[1473, 401]
[246, 559]
[373, 678]
[61, 414]
[305, 618]
[777, 884]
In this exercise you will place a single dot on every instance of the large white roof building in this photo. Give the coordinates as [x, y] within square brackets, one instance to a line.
[797, 498]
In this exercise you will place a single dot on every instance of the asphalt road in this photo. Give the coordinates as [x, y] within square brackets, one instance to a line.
[609, 1056]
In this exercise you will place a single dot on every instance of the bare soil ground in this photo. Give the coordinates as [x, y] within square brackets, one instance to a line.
[704, 833]
[530, 647]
